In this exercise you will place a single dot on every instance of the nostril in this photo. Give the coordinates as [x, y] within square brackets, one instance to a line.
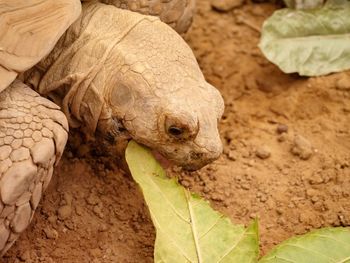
[196, 155]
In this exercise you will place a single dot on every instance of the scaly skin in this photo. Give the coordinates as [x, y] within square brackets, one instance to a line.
[119, 69]
[33, 134]
[33, 130]
[176, 13]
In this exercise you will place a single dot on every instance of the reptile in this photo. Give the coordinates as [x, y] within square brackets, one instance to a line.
[118, 69]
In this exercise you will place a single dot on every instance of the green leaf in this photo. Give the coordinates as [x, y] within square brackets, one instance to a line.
[337, 2]
[310, 42]
[327, 245]
[188, 229]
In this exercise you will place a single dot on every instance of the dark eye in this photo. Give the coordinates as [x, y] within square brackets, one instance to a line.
[175, 131]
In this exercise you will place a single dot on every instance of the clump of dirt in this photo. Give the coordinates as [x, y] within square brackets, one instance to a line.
[286, 158]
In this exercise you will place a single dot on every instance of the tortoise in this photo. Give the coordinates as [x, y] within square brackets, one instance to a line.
[96, 67]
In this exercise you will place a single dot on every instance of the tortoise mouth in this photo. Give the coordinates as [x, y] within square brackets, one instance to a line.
[166, 162]
[120, 145]
[162, 160]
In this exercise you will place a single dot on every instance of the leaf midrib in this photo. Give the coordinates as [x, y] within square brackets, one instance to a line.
[193, 228]
[157, 225]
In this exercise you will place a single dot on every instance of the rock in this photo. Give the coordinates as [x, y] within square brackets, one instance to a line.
[95, 252]
[93, 199]
[232, 155]
[311, 192]
[51, 233]
[79, 210]
[279, 211]
[263, 152]
[283, 137]
[185, 183]
[225, 5]
[245, 186]
[217, 197]
[281, 128]
[316, 178]
[68, 198]
[52, 219]
[25, 256]
[103, 228]
[64, 212]
[302, 147]
[98, 210]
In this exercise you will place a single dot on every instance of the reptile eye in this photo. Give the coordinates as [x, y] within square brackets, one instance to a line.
[180, 128]
[175, 131]
[176, 128]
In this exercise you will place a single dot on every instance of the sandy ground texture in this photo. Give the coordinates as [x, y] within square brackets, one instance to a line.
[286, 158]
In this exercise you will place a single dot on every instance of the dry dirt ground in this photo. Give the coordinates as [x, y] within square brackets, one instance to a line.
[286, 158]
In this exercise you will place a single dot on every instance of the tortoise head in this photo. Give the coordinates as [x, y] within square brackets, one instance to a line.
[162, 98]
[139, 71]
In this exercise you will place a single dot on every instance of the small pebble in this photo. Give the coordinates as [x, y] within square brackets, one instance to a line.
[52, 219]
[232, 155]
[263, 152]
[245, 186]
[206, 190]
[343, 83]
[311, 192]
[302, 147]
[92, 199]
[279, 211]
[217, 197]
[79, 210]
[253, 216]
[283, 137]
[51, 233]
[281, 128]
[185, 183]
[25, 257]
[95, 252]
[98, 211]
[64, 212]
[103, 228]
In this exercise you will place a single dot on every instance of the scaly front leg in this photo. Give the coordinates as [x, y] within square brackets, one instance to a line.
[33, 134]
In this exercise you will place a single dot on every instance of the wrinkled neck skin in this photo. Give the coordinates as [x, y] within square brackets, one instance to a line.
[115, 68]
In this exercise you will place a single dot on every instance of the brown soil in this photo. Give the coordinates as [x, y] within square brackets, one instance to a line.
[286, 158]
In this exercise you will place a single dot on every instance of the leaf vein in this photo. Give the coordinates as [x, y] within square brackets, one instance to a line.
[233, 247]
[332, 238]
[170, 203]
[211, 227]
[193, 227]
[312, 251]
[157, 224]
